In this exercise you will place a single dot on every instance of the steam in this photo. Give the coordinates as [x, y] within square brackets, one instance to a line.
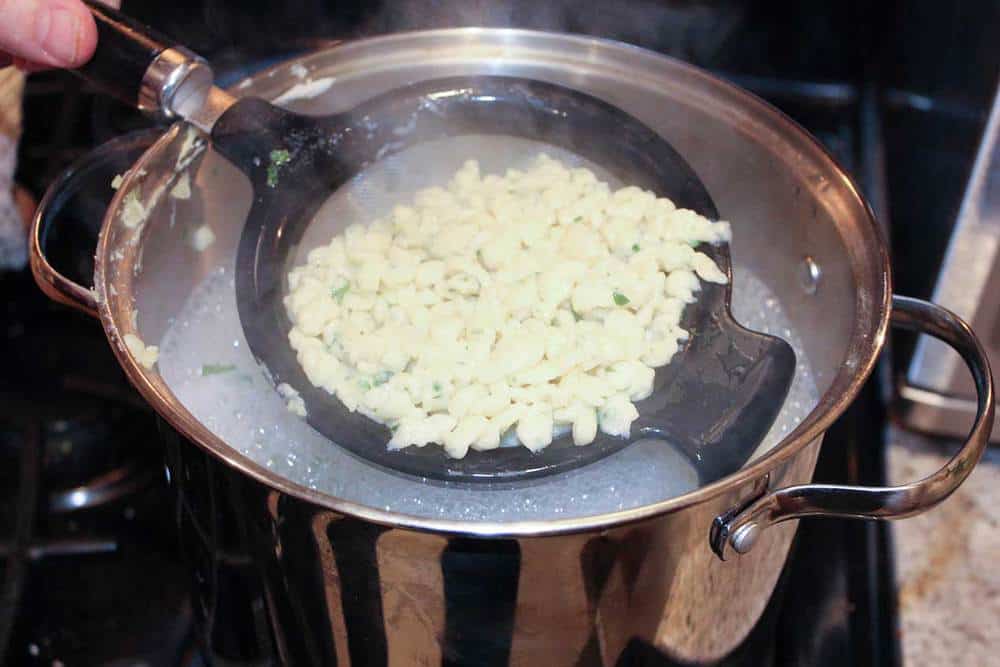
[694, 30]
[689, 30]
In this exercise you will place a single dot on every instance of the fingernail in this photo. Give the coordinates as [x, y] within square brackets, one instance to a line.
[59, 35]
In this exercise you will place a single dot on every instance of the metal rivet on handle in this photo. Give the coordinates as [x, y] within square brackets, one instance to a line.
[745, 537]
[809, 275]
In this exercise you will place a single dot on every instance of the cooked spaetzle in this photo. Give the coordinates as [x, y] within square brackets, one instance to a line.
[530, 303]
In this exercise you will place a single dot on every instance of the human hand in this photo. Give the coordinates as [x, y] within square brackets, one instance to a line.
[35, 34]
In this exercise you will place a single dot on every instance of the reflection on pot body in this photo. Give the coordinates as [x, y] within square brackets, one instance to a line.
[348, 592]
[315, 579]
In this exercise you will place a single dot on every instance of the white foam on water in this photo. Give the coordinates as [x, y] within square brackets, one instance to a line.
[241, 406]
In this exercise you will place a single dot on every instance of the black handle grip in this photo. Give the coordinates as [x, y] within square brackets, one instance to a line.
[125, 50]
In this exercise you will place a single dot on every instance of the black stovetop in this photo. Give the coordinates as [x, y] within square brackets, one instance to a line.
[104, 585]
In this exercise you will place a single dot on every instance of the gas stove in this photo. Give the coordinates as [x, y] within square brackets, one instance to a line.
[91, 567]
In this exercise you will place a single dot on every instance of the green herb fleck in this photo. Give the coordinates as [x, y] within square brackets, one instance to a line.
[620, 299]
[635, 247]
[578, 218]
[279, 158]
[216, 369]
[576, 315]
[364, 384]
[437, 389]
[381, 378]
[339, 292]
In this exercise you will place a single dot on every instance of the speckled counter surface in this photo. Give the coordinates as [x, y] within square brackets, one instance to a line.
[948, 561]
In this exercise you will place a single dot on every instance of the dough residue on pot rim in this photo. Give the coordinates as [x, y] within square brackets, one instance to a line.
[146, 355]
[182, 188]
[527, 304]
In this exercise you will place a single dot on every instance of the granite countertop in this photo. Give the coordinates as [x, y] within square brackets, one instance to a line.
[948, 561]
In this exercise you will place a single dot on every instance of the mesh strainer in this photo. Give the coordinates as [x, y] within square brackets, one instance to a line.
[715, 401]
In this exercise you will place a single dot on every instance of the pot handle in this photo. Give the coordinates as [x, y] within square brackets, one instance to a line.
[59, 288]
[80, 196]
[55, 285]
[739, 532]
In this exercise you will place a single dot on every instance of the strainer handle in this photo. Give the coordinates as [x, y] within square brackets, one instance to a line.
[143, 68]
[739, 532]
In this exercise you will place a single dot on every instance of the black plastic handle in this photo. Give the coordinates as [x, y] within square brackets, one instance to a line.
[125, 50]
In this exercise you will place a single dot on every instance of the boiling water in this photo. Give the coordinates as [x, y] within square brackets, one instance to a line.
[205, 360]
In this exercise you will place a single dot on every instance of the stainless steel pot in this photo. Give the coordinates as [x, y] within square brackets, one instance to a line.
[689, 575]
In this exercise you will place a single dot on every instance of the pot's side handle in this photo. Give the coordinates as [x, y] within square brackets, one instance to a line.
[739, 532]
[55, 285]
[80, 196]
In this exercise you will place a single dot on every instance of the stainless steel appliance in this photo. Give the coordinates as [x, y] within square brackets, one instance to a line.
[935, 395]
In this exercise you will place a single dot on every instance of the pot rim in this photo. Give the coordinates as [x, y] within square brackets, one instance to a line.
[828, 408]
